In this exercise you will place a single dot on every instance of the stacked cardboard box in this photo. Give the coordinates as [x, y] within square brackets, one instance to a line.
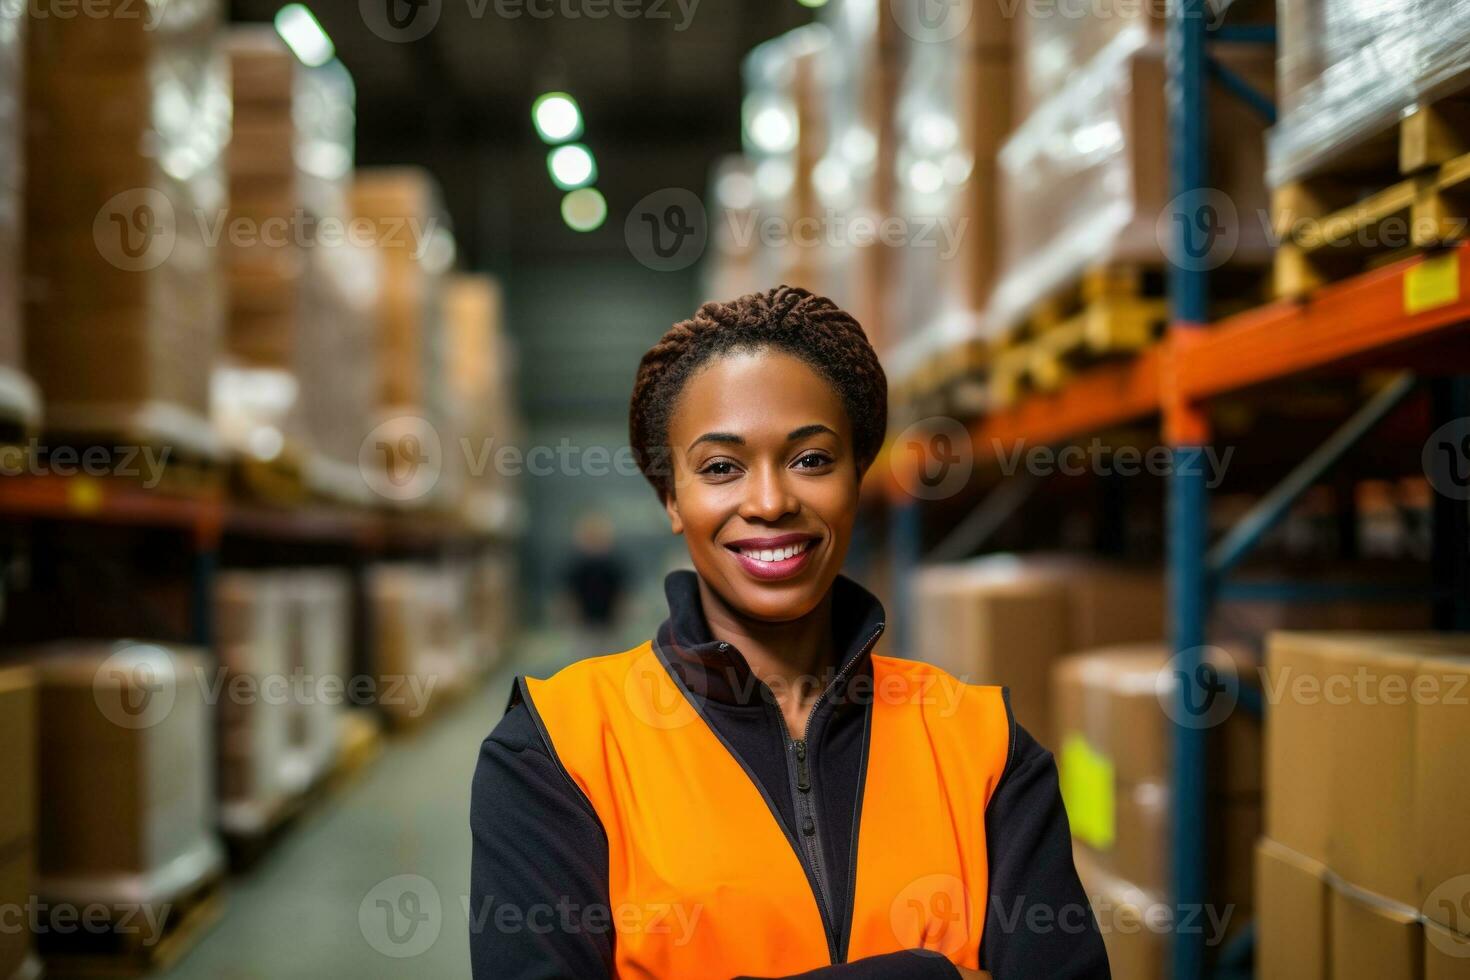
[126, 756]
[480, 403]
[1084, 176]
[18, 816]
[424, 652]
[1114, 760]
[319, 653]
[1007, 620]
[1350, 69]
[252, 637]
[956, 117]
[255, 388]
[126, 122]
[338, 356]
[18, 406]
[1364, 872]
[788, 83]
[403, 207]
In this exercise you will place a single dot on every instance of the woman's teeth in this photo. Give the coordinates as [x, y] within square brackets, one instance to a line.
[775, 554]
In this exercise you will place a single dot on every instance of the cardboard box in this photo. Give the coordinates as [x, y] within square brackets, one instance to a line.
[126, 760]
[1004, 620]
[1292, 914]
[1372, 939]
[1446, 953]
[1363, 731]
[1441, 792]
[17, 756]
[1298, 744]
[1134, 922]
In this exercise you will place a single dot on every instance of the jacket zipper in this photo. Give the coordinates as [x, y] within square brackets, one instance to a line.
[799, 769]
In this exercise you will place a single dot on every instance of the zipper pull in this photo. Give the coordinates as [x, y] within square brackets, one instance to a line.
[803, 782]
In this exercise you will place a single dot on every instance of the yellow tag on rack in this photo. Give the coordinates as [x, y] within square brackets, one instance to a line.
[84, 494]
[1087, 792]
[1433, 283]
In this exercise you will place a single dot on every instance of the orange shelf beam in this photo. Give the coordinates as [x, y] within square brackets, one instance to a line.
[108, 500]
[1098, 398]
[1397, 305]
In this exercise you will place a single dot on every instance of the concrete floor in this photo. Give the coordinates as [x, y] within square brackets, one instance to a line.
[331, 900]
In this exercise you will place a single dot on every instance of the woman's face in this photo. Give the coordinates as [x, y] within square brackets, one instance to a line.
[766, 486]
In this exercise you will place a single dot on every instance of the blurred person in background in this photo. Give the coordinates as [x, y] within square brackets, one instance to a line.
[596, 581]
[753, 792]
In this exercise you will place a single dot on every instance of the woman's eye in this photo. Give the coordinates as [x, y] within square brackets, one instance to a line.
[718, 467]
[813, 460]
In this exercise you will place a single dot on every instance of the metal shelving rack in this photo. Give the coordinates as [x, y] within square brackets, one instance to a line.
[1377, 320]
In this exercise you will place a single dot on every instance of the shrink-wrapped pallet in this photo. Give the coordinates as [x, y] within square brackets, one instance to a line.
[784, 122]
[319, 654]
[127, 120]
[256, 390]
[1348, 70]
[1085, 180]
[337, 359]
[481, 410]
[252, 646]
[423, 651]
[19, 407]
[126, 737]
[954, 114]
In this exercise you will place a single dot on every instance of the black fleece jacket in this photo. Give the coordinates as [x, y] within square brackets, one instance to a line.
[539, 906]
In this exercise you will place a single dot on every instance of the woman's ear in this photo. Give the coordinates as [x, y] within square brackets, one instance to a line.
[671, 507]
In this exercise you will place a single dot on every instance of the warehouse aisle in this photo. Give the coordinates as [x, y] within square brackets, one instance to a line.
[296, 915]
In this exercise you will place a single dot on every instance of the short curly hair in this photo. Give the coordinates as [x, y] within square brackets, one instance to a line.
[787, 318]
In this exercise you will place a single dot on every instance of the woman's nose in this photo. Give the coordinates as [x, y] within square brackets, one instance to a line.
[767, 497]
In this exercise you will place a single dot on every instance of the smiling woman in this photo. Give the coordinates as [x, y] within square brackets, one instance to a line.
[796, 803]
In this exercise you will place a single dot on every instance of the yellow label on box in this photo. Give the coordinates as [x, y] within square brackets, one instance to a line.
[1087, 791]
[1432, 283]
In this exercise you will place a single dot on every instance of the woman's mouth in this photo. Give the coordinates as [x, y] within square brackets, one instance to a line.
[773, 558]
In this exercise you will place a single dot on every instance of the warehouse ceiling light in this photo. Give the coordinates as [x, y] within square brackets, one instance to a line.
[557, 117]
[572, 166]
[303, 34]
[770, 126]
[584, 209]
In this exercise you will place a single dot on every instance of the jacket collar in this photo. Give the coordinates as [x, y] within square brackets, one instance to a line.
[717, 671]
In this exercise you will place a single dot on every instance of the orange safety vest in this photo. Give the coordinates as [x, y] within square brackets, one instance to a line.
[702, 880]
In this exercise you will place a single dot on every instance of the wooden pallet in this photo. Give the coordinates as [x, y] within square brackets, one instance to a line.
[280, 481]
[1399, 193]
[184, 472]
[113, 953]
[1113, 310]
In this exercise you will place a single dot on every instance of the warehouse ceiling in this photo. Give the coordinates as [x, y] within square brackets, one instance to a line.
[660, 93]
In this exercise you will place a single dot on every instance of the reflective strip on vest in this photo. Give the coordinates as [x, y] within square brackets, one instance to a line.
[702, 879]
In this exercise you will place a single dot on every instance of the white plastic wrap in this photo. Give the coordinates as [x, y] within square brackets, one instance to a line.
[1085, 177]
[1349, 69]
[783, 125]
[127, 122]
[127, 745]
[18, 402]
[320, 653]
[252, 640]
